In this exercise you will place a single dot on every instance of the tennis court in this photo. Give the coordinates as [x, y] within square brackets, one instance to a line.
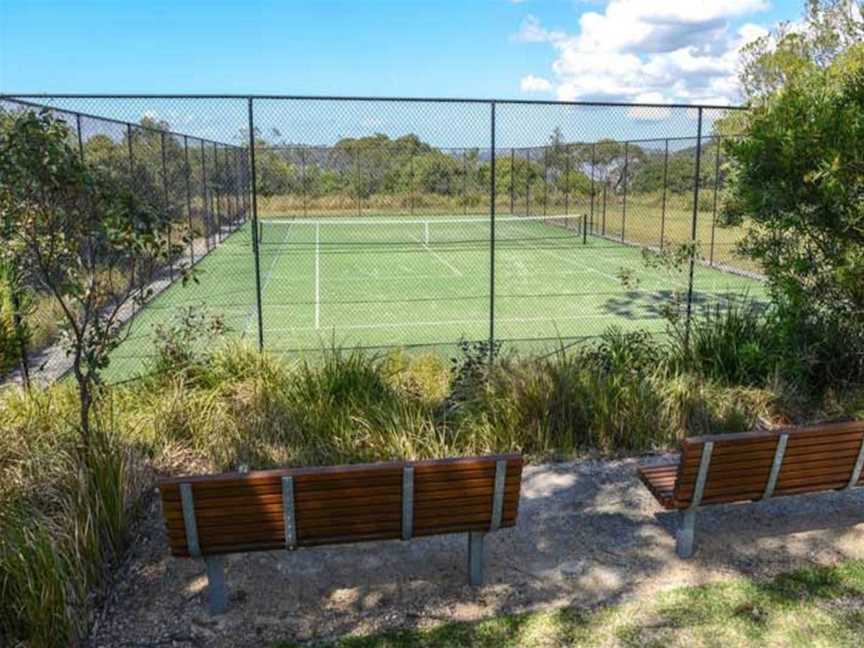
[380, 281]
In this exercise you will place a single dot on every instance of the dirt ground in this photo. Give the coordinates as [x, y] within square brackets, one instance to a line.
[588, 533]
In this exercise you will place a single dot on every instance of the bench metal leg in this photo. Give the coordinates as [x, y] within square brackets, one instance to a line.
[217, 593]
[685, 537]
[475, 558]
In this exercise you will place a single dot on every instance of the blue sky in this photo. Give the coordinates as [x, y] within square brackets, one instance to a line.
[502, 48]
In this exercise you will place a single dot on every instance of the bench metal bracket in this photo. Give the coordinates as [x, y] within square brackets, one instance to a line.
[288, 515]
[685, 537]
[498, 495]
[475, 558]
[187, 501]
[856, 470]
[217, 592]
[407, 502]
[775, 467]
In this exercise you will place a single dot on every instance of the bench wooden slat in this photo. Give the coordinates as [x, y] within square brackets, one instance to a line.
[816, 458]
[333, 503]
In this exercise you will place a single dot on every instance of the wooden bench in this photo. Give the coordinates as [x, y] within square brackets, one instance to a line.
[753, 466]
[212, 515]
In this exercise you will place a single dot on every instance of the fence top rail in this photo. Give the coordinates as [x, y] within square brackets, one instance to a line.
[19, 99]
[265, 146]
[250, 97]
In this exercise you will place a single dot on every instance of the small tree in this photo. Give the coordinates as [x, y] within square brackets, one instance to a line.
[797, 178]
[78, 234]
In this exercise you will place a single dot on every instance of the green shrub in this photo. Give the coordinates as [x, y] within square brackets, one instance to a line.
[736, 342]
[61, 522]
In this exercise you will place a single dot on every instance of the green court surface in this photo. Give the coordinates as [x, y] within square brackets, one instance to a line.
[385, 282]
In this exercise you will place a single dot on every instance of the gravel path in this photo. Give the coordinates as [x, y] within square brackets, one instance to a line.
[588, 533]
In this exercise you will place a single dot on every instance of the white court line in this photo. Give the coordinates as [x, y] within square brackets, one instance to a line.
[455, 270]
[485, 320]
[267, 278]
[579, 265]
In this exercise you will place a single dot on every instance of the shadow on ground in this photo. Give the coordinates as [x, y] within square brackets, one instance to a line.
[588, 533]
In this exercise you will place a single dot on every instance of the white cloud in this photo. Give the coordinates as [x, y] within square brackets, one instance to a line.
[666, 50]
[533, 83]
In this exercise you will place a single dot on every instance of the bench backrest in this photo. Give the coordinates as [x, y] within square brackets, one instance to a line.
[784, 461]
[286, 508]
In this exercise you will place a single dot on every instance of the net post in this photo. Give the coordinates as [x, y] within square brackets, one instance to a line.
[584, 229]
[663, 203]
[624, 199]
[411, 183]
[714, 215]
[527, 182]
[696, 179]
[256, 252]
[492, 236]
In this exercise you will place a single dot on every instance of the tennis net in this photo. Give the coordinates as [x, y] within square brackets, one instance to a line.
[422, 232]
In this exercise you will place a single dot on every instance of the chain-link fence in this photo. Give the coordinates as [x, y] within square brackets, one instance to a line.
[417, 223]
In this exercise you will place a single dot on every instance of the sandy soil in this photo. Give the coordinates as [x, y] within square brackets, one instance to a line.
[588, 533]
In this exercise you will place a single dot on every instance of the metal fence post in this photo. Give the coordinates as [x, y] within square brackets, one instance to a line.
[216, 193]
[492, 239]
[593, 185]
[696, 181]
[545, 178]
[566, 183]
[605, 191]
[527, 182]
[464, 182]
[167, 210]
[188, 174]
[716, 188]
[357, 178]
[624, 198]
[663, 203]
[205, 195]
[512, 178]
[255, 242]
[17, 318]
[303, 179]
[80, 136]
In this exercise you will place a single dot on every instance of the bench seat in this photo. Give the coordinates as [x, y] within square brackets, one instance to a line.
[752, 466]
[208, 516]
[660, 481]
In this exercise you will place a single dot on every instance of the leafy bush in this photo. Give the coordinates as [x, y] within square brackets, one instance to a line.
[187, 341]
[797, 177]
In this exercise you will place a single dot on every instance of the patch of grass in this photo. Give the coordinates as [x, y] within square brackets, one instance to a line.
[810, 607]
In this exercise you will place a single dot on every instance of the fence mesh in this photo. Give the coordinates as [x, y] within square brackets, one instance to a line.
[417, 223]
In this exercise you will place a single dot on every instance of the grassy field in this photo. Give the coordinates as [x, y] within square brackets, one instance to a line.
[808, 608]
[381, 281]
